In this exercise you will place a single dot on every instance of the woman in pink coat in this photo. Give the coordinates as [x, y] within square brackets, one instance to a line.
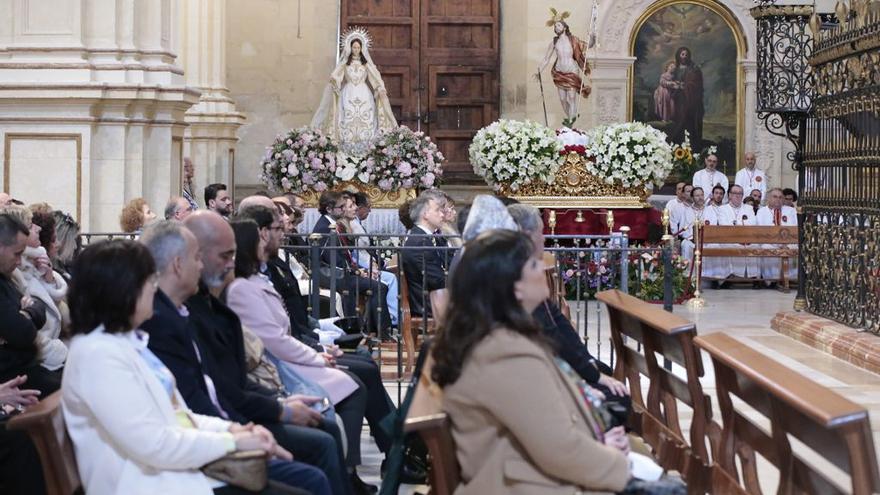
[261, 309]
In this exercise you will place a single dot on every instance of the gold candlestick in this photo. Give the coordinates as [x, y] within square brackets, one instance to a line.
[551, 221]
[697, 301]
[609, 221]
[665, 221]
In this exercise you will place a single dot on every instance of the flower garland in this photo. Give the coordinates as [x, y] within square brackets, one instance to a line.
[515, 153]
[632, 154]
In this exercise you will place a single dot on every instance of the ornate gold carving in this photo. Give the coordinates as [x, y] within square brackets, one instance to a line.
[575, 187]
[378, 198]
[777, 10]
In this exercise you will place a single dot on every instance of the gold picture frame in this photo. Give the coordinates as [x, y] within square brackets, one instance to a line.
[732, 23]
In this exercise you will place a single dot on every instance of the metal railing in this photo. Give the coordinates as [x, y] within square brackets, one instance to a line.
[582, 266]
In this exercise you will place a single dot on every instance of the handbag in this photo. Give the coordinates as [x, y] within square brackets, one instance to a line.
[246, 470]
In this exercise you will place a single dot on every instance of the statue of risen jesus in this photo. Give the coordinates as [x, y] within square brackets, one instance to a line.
[570, 66]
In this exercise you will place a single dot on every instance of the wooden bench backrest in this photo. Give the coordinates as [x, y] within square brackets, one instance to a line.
[426, 416]
[44, 424]
[754, 234]
[658, 331]
[834, 427]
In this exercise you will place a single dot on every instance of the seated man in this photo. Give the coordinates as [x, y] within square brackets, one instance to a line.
[737, 212]
[776, 213]
[176, 253]
[369, 259]
[350, 278]
[425, 268]
[716, 268]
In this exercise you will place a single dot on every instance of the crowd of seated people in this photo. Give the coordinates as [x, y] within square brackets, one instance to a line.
[196, 340]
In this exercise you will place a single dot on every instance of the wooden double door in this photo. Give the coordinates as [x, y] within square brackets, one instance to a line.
[440, 63]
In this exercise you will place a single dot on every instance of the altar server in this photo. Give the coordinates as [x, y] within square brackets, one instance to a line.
[775, 213]
[750, 177]
[709, 177]
[716, 267]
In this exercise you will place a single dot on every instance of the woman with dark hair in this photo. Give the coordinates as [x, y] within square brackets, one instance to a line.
[261, 309]
[521, 421]
[131, 430]
[67, 243]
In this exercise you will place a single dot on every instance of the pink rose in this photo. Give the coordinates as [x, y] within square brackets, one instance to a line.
[320, 187]
[404, 169]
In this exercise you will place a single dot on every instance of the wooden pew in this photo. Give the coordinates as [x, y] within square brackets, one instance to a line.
[655, 415]
[426, 416]
[755, 236]
[834, 427]
[44, 424]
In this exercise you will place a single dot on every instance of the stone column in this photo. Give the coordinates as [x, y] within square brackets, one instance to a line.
[91, 104]
[213, 122]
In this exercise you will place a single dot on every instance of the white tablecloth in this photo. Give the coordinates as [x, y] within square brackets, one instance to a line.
[380, 221]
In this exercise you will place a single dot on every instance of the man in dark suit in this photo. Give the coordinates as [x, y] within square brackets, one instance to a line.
[20, 468]
[172, 338]
[425, 268]
[559, 330]
[350, 278]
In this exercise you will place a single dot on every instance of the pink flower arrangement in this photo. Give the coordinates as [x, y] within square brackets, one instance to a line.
[402, 158]
[301, 160]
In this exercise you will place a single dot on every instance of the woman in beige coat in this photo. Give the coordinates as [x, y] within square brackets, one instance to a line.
[521, 424]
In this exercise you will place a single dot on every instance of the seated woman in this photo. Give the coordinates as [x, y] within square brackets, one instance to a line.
[521, 422]
[261, 309]
[136, 214]
[131, 430]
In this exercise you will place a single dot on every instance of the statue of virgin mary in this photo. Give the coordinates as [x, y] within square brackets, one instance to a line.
[355, 105]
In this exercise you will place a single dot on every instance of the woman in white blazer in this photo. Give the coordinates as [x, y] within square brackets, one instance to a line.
[131, 430]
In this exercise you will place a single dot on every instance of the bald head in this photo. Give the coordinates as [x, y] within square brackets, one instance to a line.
[750, 159]
[217, 245]
[256, 200]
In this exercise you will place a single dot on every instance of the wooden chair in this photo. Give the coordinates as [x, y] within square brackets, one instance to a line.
[44, 424]
[426, 416]
[832, 426]
[655, 416]
[554, 281]
[754, 235]
[409, 324]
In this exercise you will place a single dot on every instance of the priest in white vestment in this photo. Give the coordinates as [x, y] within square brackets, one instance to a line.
[678, 204]
[709, 177]
[715, 267]
[750, 177]
[775, 213]
[738, 213]
[684, 228]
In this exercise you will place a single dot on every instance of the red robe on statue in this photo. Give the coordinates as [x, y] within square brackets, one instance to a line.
[571, 80]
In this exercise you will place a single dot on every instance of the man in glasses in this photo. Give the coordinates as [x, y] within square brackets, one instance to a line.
[350, 278]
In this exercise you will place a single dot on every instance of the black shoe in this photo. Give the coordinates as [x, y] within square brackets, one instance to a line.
[715, 285]
[757, 285]
[359, 487]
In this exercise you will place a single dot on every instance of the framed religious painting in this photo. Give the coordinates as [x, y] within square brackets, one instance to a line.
[686, 79]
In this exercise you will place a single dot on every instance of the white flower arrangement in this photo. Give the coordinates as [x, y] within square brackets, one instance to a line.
[631, 154]
[515, 153]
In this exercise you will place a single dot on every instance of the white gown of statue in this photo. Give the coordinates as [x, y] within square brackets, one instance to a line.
[357, 120]
[355, 106]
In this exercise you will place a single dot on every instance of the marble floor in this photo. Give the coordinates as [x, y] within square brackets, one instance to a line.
[745, 314]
